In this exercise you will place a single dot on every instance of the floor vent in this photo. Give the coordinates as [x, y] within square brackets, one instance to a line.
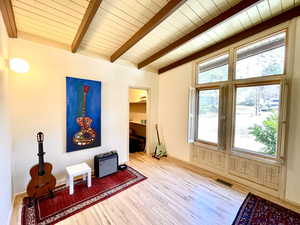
[224, 182]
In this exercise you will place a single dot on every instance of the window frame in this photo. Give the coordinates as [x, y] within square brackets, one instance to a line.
[223, 53]
[197, 113]
[228, 103]
[233, 119]
[235, 49]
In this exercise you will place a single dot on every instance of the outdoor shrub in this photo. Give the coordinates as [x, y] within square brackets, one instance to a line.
[267, 133]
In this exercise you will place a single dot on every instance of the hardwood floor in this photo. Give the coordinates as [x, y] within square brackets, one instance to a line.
[172, 194]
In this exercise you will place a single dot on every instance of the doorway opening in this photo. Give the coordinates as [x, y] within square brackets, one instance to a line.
[138, 105]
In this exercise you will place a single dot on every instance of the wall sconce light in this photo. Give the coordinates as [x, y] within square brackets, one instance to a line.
[18, 65]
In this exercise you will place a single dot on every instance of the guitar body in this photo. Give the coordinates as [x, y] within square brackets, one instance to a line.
[86, 135]
[160, 149]
[41, 185]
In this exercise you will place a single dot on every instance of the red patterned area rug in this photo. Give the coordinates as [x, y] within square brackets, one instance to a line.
[48, 210]
[259, 211]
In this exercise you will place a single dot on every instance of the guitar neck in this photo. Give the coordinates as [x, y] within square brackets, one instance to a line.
[84, 105]
[85, 91]
[41, 159]
[157, 134]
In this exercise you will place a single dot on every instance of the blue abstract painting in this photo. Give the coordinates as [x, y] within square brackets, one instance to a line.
[83, 114]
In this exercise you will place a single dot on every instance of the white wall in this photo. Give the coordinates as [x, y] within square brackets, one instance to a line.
[38, 103]
[173, 117]
[5, 136]
[173, 110]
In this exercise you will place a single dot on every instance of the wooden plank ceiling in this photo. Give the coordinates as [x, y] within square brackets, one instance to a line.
[56, 20]
[116, 21]
[254, 15]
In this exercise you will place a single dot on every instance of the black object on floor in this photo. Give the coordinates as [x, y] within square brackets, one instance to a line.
[137, 143]
[122, 167]
[106, 164]
[224, 182]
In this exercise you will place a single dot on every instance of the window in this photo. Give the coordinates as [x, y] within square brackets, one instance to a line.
[256, 118]
[263, 58]
[208, 116]
[214, 70]
[240, 113]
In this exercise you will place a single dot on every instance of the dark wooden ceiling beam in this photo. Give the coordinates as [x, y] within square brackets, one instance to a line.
[199, 30]
[167, 10]
[85, 23]
[9, 18]
[288, 15]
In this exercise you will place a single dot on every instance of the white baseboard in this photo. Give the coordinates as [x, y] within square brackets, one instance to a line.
[293, 203]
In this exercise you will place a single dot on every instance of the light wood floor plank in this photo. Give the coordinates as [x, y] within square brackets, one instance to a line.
[174, 193]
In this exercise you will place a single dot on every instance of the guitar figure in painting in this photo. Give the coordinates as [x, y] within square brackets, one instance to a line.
[86, 135]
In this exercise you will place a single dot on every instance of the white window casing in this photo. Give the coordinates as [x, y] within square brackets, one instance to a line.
[192, 116]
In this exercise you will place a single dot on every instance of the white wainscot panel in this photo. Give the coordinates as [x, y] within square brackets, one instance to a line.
[209, 158]
[260, 173]
[261, 176]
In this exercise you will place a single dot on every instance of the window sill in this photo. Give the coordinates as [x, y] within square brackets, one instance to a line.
[251, 156]
[207, 146]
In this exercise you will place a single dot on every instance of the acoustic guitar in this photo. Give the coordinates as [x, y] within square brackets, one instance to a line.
[42, 181]
[86, 135]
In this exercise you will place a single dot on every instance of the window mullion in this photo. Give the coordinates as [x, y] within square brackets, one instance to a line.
[222, 118]
[282, 129]
[231, 117]
[230, 103]
[231, 64]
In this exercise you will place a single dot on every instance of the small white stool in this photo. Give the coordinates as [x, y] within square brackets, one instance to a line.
[77, 170]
